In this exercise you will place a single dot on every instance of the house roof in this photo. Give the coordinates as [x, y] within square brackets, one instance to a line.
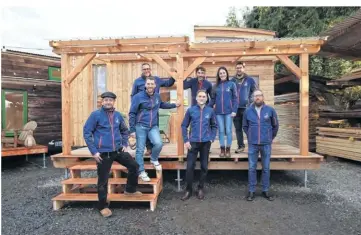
[344, 39]
[16, 52]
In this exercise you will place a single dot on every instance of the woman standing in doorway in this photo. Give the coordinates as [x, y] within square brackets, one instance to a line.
[224, 97]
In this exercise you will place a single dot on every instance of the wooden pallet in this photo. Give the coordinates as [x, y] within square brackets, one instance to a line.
[75, 188]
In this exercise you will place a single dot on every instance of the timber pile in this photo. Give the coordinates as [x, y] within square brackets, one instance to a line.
[337, 112]
[287, 107]
[339, 142]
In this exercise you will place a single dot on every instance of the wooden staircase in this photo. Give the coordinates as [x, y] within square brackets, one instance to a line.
[77, 188]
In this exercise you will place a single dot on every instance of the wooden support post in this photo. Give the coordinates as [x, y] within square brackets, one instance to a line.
[85, 61]
[193, 66]
[65, 106]
[304, 105]
[290, 65]
[180, 109]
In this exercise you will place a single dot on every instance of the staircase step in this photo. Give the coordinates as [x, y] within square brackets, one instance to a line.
[111, 197]
[93, 166]
[110, 181]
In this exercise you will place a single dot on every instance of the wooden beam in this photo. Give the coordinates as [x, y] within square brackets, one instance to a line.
[193, 66]
[224, 52]
[180, 109]
[284, 79]
[162, 63]
[65, 106]
[290, 65]
[85, 61]
[120, 41]
[132, 48]
[304, 105]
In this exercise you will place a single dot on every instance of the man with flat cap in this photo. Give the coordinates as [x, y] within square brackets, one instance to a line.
[106, 136]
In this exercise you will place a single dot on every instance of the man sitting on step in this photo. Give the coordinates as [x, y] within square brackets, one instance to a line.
[143, 123]
[106, 136]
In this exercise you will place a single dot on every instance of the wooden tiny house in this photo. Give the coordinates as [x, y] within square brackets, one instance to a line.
[31, 91]
[90, 67]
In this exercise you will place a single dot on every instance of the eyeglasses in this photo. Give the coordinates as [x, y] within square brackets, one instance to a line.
[258, 95]
[146, 69]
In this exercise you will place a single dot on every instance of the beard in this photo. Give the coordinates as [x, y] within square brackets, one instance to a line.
[258, 103]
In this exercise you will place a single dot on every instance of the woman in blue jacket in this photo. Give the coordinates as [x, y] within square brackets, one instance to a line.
[225, 99]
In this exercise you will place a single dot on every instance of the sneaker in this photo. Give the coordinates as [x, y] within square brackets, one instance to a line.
[144, 176]
[157, 165]
[106, 212]
[239, 150]
[136, 193]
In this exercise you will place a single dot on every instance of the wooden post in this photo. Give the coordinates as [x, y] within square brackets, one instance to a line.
[304, 105]
[180, 109]
[65, 106]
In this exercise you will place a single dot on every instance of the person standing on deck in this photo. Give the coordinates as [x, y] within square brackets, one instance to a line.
[202, 120]
[224, 96]
[260, 123]
[198, 83]
[106, 136]
[143, 122]
[139, 85]
[245, 87]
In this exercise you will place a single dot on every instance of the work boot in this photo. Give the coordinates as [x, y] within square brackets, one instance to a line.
[200, 195]
[186, 196]
[106, 212]
[267, 196]
[223, 152]
[250, 196]
[228, 151]
[239, 150]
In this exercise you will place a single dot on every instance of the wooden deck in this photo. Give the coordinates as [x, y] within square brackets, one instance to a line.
[284, 157]
[38, 149]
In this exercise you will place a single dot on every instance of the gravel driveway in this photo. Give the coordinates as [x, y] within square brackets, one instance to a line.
[331, 205]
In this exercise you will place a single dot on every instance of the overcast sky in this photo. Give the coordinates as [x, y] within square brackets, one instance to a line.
[33, 27]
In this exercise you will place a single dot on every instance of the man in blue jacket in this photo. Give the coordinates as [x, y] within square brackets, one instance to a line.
[143, 122]
[106, 136]
[260, 123]
[139, 85]
[198, 83]
[202, 120]
[245, 87]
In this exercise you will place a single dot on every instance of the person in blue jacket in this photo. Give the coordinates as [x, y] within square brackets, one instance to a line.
[139, 85]
[224, 97]
[203, 130]
[143, 122]
[198, 83]
[245, 87]
[260, 123]
[106, 136]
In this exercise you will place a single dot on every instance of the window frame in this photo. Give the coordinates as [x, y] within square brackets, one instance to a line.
[51, 77]
[3, 109]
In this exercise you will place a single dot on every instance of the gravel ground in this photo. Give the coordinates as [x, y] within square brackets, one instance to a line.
[331, 205]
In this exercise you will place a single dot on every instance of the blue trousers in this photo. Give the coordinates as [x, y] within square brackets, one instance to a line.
[253, 152]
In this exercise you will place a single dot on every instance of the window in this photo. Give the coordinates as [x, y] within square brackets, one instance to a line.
[54, 74]
[100, 83]
[14, 110]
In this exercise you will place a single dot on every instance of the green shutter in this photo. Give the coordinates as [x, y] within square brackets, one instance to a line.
[54, 74]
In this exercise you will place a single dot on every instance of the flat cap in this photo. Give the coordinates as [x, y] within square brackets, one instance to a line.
[108, 94]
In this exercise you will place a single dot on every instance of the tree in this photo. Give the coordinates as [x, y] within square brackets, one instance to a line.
[300, 22]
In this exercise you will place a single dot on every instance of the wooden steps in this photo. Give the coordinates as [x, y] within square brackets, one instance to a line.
[72, 187]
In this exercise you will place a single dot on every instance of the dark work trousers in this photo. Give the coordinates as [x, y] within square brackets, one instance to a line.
[103, 169]
[203, 149]
[237, 121]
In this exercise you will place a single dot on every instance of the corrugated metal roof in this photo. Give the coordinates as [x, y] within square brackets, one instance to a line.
[4, 50]
[115, 37]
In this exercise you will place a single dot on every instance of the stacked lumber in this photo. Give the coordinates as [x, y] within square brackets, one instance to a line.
[287, 108]
[339, 142]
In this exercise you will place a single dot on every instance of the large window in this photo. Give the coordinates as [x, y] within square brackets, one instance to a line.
[54, 74]
[100, 83]
[14, 110]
